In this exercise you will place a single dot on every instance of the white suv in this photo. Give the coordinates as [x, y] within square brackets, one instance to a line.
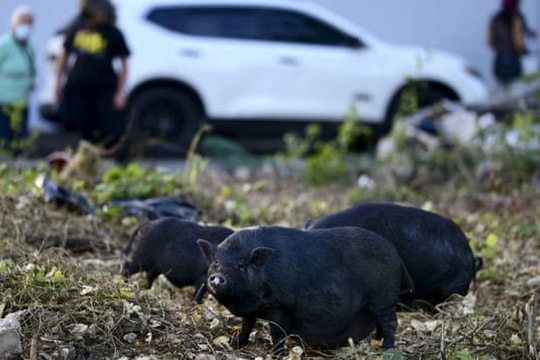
[267, 65]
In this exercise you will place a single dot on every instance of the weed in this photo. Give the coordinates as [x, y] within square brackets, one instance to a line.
[326, 161]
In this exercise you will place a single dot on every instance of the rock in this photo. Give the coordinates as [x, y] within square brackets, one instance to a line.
[205, 357]
[534, 282]
[10, 342]
[222, 341]
[130, 337]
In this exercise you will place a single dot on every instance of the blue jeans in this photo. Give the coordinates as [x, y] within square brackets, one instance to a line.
[11, 132]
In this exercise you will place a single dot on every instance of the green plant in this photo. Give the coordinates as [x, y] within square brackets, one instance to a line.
[515, 148]
[132, 181]
[326, 161]
[408, 101]
[326, 166]
[392, 354]
[461, 354]
[18, 145]
[195, 163]
[489, 255]
[16, 181]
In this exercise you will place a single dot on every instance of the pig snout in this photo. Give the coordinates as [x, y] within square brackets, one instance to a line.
[217, 281]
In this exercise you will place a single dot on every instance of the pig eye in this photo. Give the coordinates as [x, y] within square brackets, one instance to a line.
[242, 267]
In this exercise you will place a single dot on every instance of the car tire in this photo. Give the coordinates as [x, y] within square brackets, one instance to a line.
[166, 114]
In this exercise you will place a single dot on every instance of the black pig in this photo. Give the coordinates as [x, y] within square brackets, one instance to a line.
[433, 249]
[323, 285]
[168, 246]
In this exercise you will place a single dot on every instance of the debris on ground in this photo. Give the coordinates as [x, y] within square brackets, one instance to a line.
[153, 208]
[439, 126]
[147, 209]
[448, 132]
[61, 196]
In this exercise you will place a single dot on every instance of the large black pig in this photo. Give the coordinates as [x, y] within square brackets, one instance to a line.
[325, 285]
[168, 246]
[434, 250]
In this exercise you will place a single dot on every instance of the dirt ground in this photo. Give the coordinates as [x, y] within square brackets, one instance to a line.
[62, 269]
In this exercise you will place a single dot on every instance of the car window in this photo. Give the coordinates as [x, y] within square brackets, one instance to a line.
[290, 26]
[223, 22]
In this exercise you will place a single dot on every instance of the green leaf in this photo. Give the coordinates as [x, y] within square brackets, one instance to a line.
[4, 266]
[133, 170]
[392, 354]
[129, 221]
[463, 354]
[58, 277]
[127, 293]
[491, 241]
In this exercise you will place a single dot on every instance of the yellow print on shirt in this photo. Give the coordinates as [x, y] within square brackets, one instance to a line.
[90, 42]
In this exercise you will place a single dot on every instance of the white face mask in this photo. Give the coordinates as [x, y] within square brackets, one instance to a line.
[22, 31]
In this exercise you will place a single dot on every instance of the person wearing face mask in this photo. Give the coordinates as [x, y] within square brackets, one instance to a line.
[17, 72]
[93, 92]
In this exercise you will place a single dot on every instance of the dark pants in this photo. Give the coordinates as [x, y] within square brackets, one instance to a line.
[13, 126]
[507, 67]
[92, 109]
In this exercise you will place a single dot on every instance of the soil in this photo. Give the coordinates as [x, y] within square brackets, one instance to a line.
[62, 268]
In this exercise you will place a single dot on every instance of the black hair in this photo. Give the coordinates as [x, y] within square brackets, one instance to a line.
[102, 12]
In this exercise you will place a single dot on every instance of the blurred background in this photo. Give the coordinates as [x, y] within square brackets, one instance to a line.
[458, 26]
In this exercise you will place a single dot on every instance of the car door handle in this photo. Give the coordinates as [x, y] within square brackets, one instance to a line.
[289, 61]
[191, 53]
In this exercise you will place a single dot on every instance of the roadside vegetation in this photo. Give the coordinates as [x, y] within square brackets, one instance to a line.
[61, 267]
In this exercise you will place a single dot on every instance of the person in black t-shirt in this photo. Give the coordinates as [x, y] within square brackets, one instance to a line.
[93, 93]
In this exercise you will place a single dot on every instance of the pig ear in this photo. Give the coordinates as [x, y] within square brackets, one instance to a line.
[207, 249]
[308, 223]
[259, 255]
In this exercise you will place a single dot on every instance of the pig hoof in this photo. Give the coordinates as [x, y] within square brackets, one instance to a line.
[237, 342]
[237, 345]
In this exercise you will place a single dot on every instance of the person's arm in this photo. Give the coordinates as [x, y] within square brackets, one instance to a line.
[489, 37]
[2, 55]
[526, 29]
[517, 34]
[120, 100]
[60, 71]
[33, 70]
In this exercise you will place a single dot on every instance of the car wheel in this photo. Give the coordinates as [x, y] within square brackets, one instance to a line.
[425, 96]
[165, 113]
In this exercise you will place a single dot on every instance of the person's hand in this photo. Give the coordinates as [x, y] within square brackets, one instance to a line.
[119, 100]
[532, 34]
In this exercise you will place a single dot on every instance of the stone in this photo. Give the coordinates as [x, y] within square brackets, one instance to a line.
[10, 342]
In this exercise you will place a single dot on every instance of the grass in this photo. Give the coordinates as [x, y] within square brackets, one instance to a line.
[62, 269]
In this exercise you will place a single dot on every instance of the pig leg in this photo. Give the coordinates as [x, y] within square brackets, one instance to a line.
[278, 330]
[242, 339]
[378, 333]
[386, 325]
[200, 290]
[151, 276]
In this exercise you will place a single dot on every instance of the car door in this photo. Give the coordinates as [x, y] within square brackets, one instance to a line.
[321, 71]
[219, 53]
